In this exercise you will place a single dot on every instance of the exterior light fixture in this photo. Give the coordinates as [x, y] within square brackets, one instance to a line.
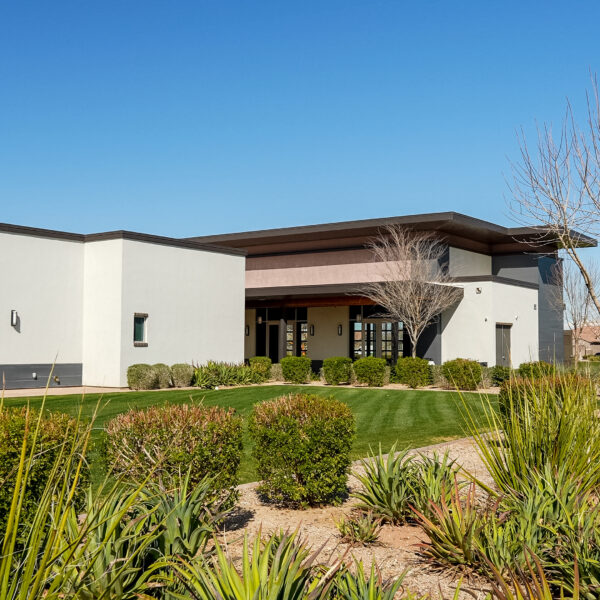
[14, 318]
[535, 307]
[339, 329]
[358, 317]
[478, 290]
[311, 329]
[259, 320]
[247, 330]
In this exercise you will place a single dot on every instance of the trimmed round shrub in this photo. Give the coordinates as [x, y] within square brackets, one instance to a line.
[163, 375]
[462, 373]
[370, 370]
[337, 369]
[183, 374]
[56, 437]
[142, 377]
[296, 369]
[500, 374]
[261, 365]
[538, 368]
[413, 371]
[167, 441]
[302, 449]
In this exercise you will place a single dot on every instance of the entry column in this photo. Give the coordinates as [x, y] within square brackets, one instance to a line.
[282, 338]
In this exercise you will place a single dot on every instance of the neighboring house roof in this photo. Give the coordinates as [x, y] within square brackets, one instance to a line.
[591, 334]
[465, 231]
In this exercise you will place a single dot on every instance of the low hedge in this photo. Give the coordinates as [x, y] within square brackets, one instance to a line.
[370, 370]
[142, 377]
[165, 442]
[413, 371]
[535, 369]
[163, 375]
[462, 373]
[261, 365]
[183, 374]
[302, 449]
[296, 369]
[57, 435]
[337, 369]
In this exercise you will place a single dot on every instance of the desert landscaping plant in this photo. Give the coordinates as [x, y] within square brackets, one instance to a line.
[359, 529]
[183, 374]
[168, 442]
[415, 372]
[337, 370]
[214, 374]
[370, 370]
[296, 369]
[163, 375]
[142, 377]
[462, 373]
[302, 449]
[261, 365]
[535, 369]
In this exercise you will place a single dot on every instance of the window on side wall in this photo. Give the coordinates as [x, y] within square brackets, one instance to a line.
[140, 337]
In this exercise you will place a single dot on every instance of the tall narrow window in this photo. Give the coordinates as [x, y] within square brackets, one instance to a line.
[139, 329]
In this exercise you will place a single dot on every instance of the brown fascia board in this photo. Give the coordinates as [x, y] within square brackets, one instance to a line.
[482, 235]
[114, 235]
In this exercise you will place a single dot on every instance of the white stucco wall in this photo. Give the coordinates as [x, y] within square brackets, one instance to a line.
[326, 342]
[194, 300]
[469, 330]
[42, 280]
[102, 312]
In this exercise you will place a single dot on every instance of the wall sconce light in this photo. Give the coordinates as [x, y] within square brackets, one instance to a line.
[339, 329]
[14, 318]
[311, 330]
[478, 290]
[358, 318]
[247, 330]
[259, 320]
[535, 307]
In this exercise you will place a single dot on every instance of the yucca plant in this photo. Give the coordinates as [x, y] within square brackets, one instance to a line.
[433, 480]
[547, 424]
[186, 516]
[359, 529]
[454, 529]
[279, 568]
[387, 485]
[357, 586]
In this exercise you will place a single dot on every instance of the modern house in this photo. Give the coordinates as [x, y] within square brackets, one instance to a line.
[95, 304]
[303, 292]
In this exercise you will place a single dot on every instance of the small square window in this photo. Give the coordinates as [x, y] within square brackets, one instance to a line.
[139, 329]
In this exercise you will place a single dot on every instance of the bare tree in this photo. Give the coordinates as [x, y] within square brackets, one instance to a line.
[556, 186]
[414, 286]
[571, 294]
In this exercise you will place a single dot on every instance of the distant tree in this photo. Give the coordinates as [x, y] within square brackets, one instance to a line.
[413, 284]
[571, 295]
[556, 185]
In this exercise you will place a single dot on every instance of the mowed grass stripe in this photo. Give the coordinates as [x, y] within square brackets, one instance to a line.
[412, 418]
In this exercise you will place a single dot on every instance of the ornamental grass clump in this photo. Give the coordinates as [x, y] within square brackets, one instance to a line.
[359, 529]
[164, 443]
[302, 449]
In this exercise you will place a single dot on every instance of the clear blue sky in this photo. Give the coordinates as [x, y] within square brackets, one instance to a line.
[186, 118]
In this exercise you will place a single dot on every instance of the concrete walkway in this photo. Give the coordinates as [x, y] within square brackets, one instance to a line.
[61, 391]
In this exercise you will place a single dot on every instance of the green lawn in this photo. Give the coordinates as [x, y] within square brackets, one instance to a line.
[413, 418]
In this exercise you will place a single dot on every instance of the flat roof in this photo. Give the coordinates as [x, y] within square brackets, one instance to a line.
[121, 234]
[472, 233]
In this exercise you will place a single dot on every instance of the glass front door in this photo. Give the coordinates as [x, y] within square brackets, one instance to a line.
[375, 337]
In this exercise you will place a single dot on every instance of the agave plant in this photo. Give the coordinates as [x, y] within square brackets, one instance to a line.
[387, 485]
[279, 569]
[360, 529]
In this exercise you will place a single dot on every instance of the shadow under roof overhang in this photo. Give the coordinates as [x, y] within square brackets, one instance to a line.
[338, 294]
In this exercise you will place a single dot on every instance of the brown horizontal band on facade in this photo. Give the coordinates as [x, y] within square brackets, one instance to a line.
[312, 302]
[114, 235]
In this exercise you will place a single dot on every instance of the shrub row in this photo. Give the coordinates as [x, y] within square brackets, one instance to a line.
[158, 376]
